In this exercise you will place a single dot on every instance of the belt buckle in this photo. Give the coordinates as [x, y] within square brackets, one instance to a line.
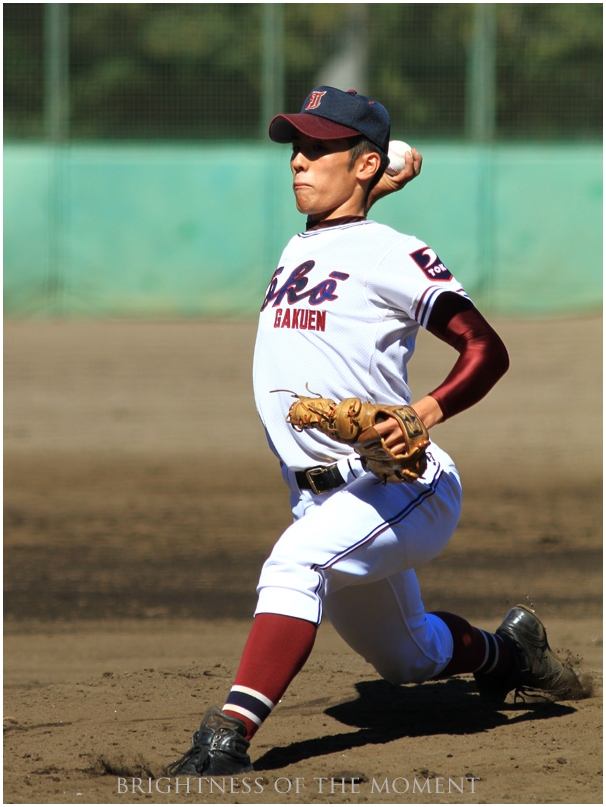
[310, 473]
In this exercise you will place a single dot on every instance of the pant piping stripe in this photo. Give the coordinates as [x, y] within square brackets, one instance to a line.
[385, 525]
[317, 593]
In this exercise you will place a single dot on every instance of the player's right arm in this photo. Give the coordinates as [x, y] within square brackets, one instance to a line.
[388, 184]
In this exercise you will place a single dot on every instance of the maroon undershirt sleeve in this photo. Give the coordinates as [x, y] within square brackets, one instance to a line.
[483, 357]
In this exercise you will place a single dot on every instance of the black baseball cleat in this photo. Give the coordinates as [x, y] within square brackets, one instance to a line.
[218, 748]
[536, 666]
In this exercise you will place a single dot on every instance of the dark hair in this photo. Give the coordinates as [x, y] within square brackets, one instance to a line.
[362, 145]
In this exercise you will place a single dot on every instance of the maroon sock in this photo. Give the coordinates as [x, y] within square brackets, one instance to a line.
[276, 649]
[474, 650]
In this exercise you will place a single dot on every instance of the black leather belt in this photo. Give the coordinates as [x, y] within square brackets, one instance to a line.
[320, 479]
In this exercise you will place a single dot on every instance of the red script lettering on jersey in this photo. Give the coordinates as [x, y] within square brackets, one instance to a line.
[292, 289]
[302, 319]
[433, 268]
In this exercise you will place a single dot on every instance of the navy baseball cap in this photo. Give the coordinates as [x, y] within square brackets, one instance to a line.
[330, 114]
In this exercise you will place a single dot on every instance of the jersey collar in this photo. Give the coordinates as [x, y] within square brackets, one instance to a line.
[333, 222]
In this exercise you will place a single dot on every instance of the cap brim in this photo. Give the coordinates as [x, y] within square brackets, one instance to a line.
[284, 128]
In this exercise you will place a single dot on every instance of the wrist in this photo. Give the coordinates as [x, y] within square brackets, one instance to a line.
[429, 410]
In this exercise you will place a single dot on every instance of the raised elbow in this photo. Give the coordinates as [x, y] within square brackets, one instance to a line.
[500, 356]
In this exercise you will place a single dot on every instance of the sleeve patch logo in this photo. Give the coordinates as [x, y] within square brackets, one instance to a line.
[433, 268]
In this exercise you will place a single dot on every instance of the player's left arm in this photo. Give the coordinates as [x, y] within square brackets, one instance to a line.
[483, 360]
[388, 184]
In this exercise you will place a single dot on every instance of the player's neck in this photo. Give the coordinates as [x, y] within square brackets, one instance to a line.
[352, 205]
[353, 209]
[312, 225]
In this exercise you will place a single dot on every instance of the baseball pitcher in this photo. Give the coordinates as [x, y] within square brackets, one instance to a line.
[372, 496]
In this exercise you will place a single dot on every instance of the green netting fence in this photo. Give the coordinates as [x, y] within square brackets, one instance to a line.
[138, 178]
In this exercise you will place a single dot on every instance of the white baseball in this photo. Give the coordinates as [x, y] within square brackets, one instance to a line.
[397, 160]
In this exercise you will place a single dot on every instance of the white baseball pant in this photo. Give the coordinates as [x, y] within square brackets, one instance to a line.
[351, 554]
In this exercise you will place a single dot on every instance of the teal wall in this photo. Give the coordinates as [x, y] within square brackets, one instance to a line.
[184, 230]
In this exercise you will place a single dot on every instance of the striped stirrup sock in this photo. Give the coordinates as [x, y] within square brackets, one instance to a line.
[495, 648]
[248, 704]
[276, 649]
[473, 650]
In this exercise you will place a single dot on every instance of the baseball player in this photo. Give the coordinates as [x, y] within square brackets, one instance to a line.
[339, 322]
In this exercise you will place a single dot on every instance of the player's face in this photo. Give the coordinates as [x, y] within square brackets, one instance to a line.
[322, 182]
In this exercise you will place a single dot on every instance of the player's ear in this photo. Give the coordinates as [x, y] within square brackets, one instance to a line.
[368, 165]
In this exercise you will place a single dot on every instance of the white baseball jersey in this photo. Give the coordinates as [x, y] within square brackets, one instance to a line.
[341, 314]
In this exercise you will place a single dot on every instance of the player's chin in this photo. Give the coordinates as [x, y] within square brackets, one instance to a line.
[303, 204]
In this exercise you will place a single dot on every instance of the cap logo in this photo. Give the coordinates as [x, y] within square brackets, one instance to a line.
[314, 100]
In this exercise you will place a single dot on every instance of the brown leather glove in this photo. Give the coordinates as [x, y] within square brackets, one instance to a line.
[352, 421]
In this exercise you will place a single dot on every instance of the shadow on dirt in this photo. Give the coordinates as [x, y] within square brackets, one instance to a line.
[384, 712]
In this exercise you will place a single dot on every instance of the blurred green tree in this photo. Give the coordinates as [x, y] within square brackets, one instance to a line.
[23, 69]
[193, 70]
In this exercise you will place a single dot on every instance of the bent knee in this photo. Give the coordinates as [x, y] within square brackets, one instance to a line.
[408, 670]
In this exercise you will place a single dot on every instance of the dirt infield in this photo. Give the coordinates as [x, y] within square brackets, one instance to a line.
[132, 549]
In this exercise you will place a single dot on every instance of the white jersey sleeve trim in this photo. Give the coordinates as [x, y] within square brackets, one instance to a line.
[421, 309]
[428, 299]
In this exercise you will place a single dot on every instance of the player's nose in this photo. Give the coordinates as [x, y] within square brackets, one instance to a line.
[298, 161]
